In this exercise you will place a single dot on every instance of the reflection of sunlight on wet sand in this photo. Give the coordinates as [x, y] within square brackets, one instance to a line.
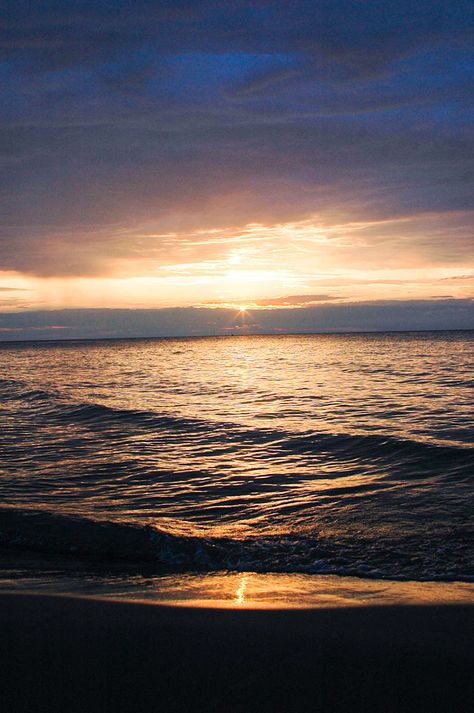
[250, 590]
[240, 593]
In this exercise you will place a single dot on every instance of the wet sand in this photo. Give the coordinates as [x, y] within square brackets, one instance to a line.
[80, 655]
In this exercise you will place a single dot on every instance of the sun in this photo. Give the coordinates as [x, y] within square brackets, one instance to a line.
[234, 259]
[242, 308]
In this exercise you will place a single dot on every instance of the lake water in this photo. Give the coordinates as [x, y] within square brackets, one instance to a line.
[340, 455]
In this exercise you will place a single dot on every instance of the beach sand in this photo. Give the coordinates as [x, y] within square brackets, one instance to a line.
[84, 655]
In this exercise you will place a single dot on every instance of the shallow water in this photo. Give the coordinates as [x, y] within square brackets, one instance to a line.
[242, 590]
[348, 455]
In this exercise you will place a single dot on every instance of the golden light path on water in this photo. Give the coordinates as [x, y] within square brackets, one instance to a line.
[250, 590]
[336, 455]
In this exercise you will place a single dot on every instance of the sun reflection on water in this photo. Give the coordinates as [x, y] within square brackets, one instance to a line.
[240, 593]
[251, 590]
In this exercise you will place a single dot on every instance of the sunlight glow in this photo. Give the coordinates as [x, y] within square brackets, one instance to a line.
[247, 266]
[235, 259]
[240, 593]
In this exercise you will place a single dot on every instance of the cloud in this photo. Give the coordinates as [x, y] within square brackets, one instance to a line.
[294, 300]
[361, 36]
[20, 331]
[460, 277]
[388, 315]
[119, 124]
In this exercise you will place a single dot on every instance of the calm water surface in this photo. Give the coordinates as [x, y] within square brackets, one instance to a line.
[346, 455]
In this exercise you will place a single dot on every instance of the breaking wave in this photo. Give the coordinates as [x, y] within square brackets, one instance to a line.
[131, 544]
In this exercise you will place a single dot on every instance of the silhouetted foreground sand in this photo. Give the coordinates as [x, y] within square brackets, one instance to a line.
[89, 656]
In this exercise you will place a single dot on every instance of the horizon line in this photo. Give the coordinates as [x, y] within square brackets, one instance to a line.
[230, 336]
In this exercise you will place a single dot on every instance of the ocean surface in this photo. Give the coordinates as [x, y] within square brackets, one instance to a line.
[340, 455]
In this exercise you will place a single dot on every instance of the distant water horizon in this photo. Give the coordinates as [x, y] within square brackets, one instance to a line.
[343, 454]
[289, 333]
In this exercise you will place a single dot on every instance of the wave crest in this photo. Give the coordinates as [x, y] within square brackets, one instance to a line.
[135, 545]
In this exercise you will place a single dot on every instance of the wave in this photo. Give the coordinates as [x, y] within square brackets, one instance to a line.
[57, 409]
[369, 445]
[400, 457]
[132, 544]
[46, 532]
[13, 390]
[350, 446]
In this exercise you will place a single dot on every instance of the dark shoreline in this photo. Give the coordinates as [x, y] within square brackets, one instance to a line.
[80, 655]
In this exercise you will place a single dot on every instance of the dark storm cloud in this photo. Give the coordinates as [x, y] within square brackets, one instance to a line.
[116, 114]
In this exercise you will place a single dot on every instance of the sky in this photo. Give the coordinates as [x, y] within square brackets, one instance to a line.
[228, 166]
